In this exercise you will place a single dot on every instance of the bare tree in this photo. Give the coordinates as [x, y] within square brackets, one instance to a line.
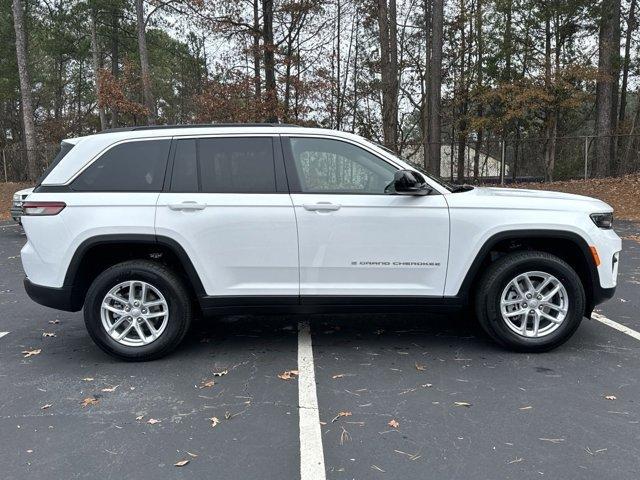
[147, 92]
[115, 54]
[632, 24]
[256, 50]
[608, 51]
[479, 79]
[271, 93]
[387, 24]
[437, 19]
[97, 63]
[25, 89]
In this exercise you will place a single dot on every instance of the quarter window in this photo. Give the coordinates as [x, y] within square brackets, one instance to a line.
[331, 166]
[127, 167]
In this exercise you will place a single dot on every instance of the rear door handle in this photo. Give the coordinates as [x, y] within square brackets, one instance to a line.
[187, 206]
[321, 206]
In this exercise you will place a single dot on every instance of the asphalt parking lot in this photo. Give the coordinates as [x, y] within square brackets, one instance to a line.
[397, 396]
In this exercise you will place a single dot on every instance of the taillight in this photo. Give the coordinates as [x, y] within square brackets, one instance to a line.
[42, 208]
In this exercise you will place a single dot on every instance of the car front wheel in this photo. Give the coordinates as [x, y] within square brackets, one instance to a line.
[137, 310]
[530, 301]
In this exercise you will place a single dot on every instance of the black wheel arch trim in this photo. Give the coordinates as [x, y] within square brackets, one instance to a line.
[595, 293]
[142, 239]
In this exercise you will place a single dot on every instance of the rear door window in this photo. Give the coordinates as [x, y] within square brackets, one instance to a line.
[137, 166]
[224, 165]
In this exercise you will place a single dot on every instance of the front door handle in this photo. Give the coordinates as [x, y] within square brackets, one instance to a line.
[187, 206]
[321, 206]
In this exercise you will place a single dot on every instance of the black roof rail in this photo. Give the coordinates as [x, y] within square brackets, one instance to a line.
[198, 125]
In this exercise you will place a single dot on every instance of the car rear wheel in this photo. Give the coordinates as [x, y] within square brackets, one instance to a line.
[137, 310]
[530, 301]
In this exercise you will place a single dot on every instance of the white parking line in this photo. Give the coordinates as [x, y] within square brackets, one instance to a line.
[311, 453]
[621, 328]
[2, 334]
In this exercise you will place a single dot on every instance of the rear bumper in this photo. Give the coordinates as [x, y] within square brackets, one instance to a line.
[63, 298]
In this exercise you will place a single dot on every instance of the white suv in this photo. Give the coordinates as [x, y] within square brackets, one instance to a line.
[145, 227]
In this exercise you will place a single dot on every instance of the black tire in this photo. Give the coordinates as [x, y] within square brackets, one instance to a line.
[162, 278]
[496, 278]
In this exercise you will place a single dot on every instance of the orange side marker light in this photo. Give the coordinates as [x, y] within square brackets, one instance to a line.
[594, 254]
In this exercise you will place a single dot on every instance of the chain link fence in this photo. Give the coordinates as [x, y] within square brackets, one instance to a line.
[491, 161]
[14, 161]
[529, 159]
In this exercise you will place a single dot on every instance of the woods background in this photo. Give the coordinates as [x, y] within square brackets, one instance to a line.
[548, 86]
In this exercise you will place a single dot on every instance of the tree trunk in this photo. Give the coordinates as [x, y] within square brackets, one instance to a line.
[147, 92]
[424, 118]
[437, 19]
[97, 64]
[115, 54]
[25, 89]
[631, 26]
[256, 55]
[387, 25]
[269, 62]
[480, 71]
[607, 55]
[551, 127]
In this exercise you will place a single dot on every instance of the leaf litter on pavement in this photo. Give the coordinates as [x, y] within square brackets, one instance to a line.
[31, 353]
[288, 374]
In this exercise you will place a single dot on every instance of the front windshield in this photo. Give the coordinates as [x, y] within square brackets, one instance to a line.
[449, 186]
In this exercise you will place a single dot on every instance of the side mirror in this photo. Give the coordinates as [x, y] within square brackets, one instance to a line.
[408, 182]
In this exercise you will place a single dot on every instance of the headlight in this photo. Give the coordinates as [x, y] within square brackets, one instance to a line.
[16, 197]
[603, 220]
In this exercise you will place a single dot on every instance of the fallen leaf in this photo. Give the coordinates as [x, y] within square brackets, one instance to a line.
[31, 353]
[288, 375]
[44, 407]
[192, 454]
[181, 463]
[89, 401]
[393, 424]
[207, 384]
[214, 421]
[139, 417]
[462, 404]
[220, 374]
[420, 368]
[109, 389]
[153, 421]
[339, 375]
[610, 397]
[48, 334]
[341, 414]
[88, 379]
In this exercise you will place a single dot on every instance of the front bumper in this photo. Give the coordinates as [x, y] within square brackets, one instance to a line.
[599, 295]
[16, 212]
[64, 298]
